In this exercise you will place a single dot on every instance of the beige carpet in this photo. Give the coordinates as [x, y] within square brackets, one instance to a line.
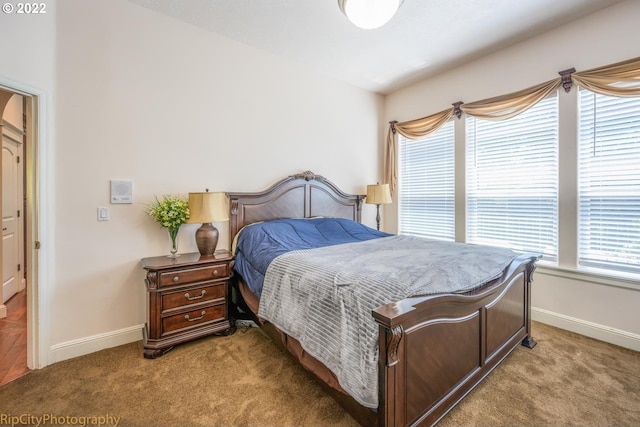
[245, 380]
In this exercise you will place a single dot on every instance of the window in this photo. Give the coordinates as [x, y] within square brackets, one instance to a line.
[609, 182]
[512, 180]
[426, 184]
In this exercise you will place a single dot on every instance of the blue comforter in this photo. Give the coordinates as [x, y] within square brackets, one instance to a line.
[259, 244]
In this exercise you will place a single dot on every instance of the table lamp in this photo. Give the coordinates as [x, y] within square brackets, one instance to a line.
[206, 208]
[378, 194]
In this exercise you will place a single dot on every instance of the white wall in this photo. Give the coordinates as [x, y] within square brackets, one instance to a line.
[144, 97]
[606, 309]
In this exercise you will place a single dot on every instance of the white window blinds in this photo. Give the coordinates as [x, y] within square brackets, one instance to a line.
[426, 184]
[512, 180]
[609, 182]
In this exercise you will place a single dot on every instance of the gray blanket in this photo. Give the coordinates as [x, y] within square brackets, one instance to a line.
[324, 297]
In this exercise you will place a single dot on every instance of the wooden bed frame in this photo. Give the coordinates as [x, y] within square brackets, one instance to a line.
[433, 350]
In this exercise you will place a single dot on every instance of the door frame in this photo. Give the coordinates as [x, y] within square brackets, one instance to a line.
[38, 241]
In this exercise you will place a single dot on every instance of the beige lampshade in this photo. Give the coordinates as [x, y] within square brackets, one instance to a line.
[378, 194]
[207, 207]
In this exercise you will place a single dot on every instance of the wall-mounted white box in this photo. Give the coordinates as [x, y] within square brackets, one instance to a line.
[121, 191]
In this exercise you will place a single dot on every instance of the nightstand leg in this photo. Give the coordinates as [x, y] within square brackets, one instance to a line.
[150, 353]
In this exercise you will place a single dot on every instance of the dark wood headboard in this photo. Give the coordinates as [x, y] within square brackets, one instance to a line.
[304, 195]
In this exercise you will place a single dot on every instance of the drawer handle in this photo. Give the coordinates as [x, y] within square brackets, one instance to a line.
[190, 298]
[176, 278]
[215, 272]
[186, 317]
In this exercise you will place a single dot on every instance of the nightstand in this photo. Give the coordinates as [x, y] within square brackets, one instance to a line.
[188, 298]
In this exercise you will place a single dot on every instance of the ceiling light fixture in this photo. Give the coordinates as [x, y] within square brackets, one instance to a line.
[369, 14]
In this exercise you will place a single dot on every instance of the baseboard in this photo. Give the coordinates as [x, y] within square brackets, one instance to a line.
[82, 346]
[3, 311]
[589, 329]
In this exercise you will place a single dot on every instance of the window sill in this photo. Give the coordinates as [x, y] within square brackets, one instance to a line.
[617, 279]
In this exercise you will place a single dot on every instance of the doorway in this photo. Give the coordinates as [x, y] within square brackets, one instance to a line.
[19, 309]
[13, 327]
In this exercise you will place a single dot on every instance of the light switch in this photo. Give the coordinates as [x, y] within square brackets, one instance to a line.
[103, 214]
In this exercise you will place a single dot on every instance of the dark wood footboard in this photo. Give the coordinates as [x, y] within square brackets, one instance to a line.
[434, 350]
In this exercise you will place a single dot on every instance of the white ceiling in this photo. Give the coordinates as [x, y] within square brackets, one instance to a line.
[425, 37]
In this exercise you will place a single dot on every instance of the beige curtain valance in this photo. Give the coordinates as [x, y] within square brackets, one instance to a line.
[510, 105]
[498, 108]
[412, 129]
[621, 79]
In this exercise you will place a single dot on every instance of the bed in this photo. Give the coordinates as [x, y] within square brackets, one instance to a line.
[431, 350]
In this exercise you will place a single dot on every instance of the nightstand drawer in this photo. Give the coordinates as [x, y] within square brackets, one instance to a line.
[173, 278]
[203, 294]
[193, 319]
